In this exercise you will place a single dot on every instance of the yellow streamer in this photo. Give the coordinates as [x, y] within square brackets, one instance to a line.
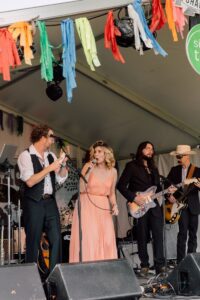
[23, 31]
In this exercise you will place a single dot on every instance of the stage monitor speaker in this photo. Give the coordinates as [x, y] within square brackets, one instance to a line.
[108, 279]
[20, 282]
[185, 278]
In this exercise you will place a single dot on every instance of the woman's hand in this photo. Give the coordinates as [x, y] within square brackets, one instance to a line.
[115, 210]
[171, 189]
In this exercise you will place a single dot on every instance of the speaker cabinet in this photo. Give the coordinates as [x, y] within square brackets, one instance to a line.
[20, 282]
[185, 278]
[109, 279]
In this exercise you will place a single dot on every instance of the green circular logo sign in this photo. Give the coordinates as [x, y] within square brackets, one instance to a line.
[193, 47]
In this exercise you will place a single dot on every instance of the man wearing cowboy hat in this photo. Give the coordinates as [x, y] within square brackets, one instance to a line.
[188, 221]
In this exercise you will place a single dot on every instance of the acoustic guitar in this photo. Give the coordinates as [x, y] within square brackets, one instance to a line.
[173, 210]
[43, 255]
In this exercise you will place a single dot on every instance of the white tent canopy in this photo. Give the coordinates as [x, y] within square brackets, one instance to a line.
[147, 98]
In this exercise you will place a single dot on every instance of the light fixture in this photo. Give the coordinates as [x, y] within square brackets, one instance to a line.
[53, 91]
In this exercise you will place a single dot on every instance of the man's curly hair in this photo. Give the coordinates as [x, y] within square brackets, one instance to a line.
[38, 132]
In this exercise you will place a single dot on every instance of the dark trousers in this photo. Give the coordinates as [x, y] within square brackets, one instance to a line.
[39, 217]
[146, 224]
[188, 225]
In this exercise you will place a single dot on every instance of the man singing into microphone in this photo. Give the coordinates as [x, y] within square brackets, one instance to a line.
[40, 169]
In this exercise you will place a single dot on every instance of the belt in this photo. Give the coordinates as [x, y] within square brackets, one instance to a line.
[46, 196]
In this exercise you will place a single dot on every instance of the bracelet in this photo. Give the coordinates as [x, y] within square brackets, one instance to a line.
[115, 205]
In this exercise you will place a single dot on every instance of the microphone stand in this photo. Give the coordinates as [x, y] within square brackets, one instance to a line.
[6, 167]
[19, 232]
[2, 256]
[162, 182]
[80, 175]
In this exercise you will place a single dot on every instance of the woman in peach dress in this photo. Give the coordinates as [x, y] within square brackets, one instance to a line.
[98, 205]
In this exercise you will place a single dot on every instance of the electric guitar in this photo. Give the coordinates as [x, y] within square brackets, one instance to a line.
[137, 211]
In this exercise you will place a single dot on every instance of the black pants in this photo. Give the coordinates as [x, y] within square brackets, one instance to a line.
[154, 224]
[188, 223]
[39, 217]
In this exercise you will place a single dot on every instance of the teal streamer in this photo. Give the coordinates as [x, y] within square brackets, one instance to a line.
[47, 56]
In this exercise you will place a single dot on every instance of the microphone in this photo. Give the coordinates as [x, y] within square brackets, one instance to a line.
[94, 161]
[58, 140]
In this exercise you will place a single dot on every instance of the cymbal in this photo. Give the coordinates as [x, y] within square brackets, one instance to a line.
[14, 195]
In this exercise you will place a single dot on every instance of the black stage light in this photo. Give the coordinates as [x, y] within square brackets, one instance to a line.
[53, 91]
[57, 73]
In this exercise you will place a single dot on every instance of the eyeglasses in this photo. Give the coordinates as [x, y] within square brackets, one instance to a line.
[180, 156]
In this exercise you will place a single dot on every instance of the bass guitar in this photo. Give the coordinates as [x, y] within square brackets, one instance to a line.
[137, 211]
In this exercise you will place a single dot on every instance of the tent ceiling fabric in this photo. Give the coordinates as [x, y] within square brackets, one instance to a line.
[52, 11]
[167, 86]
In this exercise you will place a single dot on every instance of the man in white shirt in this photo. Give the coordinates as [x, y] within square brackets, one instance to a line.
[40, 170]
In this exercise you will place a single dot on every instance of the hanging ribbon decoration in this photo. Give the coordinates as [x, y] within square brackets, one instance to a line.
[88, 42]
[10, 122]
[158, 16]
[20, 125]
[157, 48]
[69, 56]
[179, 19]
[23, 32]
[170, 19]
[139, 32]
[8, 53]
[47, 56]
[110, 33]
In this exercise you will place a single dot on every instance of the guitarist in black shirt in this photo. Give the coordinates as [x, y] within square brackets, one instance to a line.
[188, 221]
[138, 176]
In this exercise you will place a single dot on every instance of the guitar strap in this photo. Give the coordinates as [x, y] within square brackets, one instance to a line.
[189, 176]
[191, 172]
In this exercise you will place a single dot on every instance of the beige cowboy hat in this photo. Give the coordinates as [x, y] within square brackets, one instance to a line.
[182, 150]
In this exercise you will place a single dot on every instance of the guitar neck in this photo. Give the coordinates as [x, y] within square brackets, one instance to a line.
[159, 194]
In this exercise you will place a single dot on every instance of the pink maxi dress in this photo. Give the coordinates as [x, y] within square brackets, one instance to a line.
[98, 235]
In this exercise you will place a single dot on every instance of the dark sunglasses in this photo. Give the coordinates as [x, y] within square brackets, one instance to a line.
[179, 156]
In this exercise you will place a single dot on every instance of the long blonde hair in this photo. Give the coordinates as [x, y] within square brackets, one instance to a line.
[109, 155]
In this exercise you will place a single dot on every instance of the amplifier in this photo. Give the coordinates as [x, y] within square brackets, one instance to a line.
[129, 250]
